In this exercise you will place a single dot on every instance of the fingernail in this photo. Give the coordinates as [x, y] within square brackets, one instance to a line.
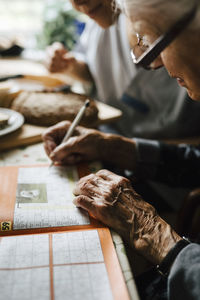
[75, 202]
[52, 155]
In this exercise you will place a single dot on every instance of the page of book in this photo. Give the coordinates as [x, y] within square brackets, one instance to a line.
[44, 198]
[40, 199]
[68, 265]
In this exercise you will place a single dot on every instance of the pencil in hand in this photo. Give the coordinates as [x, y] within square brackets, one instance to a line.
[74, 124]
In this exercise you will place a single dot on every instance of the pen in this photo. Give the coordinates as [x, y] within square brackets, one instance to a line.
[75, 123]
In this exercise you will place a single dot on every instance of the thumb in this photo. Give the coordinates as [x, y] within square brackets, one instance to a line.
[68, 57]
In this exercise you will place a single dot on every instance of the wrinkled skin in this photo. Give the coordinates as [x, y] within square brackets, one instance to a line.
[76, 149]
[181, 58]
[112, 200]
[108, 197]
[88, 145]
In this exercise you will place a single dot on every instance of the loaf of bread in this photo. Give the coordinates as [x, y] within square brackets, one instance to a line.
[49, 108]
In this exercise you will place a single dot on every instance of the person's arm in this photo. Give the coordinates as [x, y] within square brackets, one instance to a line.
[172, 164]
[184, 277]
[88, 145]
[111, 199]
[177, 165]
[78, 70]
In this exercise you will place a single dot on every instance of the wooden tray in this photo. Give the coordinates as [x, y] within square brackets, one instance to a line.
[29, 134]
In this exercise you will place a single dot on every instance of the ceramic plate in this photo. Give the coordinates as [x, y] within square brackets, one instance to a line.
[16, 120]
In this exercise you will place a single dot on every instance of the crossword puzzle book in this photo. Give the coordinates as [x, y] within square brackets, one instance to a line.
[49, 249]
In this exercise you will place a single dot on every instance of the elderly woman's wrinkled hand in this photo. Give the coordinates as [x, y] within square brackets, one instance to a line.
[112, 200]
[109, 198]
[88, 145]
[83, 146]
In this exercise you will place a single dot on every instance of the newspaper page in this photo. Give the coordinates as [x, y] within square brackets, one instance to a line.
[57, 266]
[44, 198]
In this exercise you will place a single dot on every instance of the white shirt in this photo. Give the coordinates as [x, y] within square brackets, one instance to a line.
[152, 103]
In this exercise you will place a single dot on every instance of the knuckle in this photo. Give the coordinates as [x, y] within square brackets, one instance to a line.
[80, 200]
[102, 172]
[124, 181]
[46, 134]
[63, 123]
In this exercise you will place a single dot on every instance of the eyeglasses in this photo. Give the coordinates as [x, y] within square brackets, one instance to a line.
[163, 41]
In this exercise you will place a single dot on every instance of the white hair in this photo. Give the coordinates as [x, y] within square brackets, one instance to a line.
[170, 9]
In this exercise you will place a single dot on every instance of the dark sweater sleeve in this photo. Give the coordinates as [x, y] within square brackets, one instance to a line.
[176, 165]
[184, 277]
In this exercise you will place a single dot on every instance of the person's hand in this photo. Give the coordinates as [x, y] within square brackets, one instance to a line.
[85, 145]
[59, 59]
[88, 145]
[112, 200]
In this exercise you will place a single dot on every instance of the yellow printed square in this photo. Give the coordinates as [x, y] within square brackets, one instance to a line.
[6, 226]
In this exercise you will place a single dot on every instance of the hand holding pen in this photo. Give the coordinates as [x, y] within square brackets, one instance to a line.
[88, 144]
[74, 124]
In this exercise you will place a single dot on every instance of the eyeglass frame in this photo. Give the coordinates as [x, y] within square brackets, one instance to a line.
[163, 41]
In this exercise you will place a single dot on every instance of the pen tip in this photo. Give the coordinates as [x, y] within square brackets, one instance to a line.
[87, 103]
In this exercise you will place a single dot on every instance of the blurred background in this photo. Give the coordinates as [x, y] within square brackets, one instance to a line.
[32, 25]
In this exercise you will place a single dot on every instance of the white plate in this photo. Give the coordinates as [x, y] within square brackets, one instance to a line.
[16, 120]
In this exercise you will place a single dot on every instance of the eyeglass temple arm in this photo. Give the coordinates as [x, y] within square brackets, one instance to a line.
[164, 40]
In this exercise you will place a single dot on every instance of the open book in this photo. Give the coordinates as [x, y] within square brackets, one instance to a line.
[49, 249]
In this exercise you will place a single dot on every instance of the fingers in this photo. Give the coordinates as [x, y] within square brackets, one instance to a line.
[95, 188]
[102, 199]
[55, 49]
[90, 187]
[49, 146]
[68, 56]
[72, 159]
[110, 176]
[54, 135]
[80, 147]
[67, 150]
[81, 183]
[57, 132]
[73, 151]
[55, 57]
[106, 175]
[77, 148]
[85, 203]
[105, 190]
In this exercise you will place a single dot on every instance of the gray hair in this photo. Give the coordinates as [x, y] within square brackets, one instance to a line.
[170, 9]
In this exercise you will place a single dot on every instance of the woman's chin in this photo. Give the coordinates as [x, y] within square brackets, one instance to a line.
[105, 23]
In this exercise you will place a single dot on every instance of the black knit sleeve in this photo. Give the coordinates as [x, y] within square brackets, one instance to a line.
[179, 165]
